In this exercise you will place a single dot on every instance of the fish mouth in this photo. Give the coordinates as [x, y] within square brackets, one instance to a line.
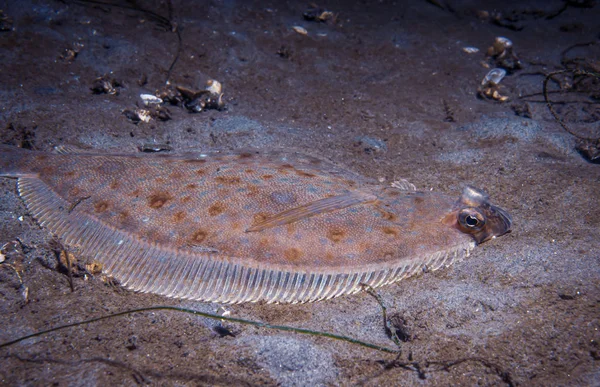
[499, 222]
[505, 219]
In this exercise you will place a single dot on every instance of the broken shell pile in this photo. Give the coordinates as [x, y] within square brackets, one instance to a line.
[106, 85]
[490, 85]
[502, 56]
[195, 101]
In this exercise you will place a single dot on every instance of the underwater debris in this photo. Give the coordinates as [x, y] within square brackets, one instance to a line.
[588, 147]
[209, 98]
[161, 113]
[131, 115]
[300, 30]
[590, 150]
[12, 257]
[318, 14]
[490, 85]
[13, 251]
[214, 87]
[6, 23]
[502, 55]
[143, 80]
[21, 136]
[370, 144]
[470, 50]
[283, 328]
[522, 110]
[284, 52]
[506, 21]
[155, 148]
[69, 54]
[94, 268]
[106, 85]
[145, 115]
[223, 331]
[169, 94]
[494, 77]
[150, 99]
[194, 101]
[68, 262]
[138, 115]
[132, 343]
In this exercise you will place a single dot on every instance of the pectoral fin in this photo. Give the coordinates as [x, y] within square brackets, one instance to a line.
[313, 208]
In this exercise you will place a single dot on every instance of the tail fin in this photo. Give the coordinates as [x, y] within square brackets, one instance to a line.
[14, 161]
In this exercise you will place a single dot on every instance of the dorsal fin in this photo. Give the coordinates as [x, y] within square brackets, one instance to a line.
[313, 208]
[68, 150]
[404, 185]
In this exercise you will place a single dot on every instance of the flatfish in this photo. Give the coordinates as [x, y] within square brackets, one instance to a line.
[245, 226]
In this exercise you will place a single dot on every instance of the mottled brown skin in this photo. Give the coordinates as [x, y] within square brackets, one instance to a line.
[277, 212]
[189, 203]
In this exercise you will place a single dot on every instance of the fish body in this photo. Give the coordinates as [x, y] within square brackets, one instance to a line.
[246, 226]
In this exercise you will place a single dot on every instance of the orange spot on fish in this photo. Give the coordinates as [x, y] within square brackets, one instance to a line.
[264, 244]
[158, 200]
[175, 175]
[336, 234]
[292, 254]
[304, 174]
[123, 215]
[227, 179]
[114, 184]
[384, 213]
[253, 190]
[260, 217]
[198, 237]
[75, 192]
[390, 231]
[179, 216]
[267, 177]
[100, 206]
[216, 209]
[191, 186]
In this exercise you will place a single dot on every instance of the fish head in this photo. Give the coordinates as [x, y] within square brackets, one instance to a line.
[475, 216]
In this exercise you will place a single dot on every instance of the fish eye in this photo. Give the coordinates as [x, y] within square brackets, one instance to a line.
[471, 220]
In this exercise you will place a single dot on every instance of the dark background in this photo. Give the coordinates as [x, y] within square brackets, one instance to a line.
[386, 89]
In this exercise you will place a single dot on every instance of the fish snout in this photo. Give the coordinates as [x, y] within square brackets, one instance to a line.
[482, 220]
